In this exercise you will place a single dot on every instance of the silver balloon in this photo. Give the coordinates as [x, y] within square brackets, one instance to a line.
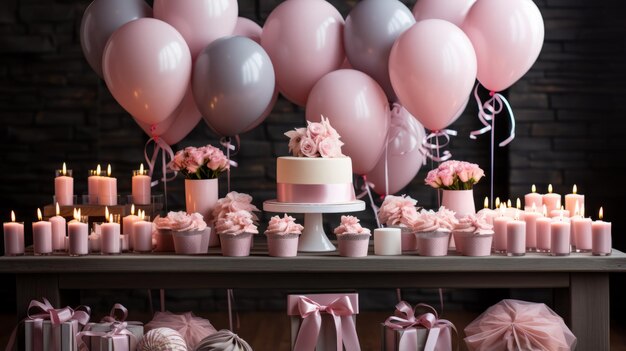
[371, 29]
[233, 84]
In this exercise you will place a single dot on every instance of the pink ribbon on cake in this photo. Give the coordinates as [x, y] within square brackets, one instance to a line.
[315, 193]
[405, 318]
[340, 309]
[117, 329]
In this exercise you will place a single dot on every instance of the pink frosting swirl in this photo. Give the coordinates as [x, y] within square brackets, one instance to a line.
[398, 211]
[447, 219]
[233, 202]
[181, 222]
[236, 223]
[474, 224]
[350, 224]
[427, 221]
[283, 226]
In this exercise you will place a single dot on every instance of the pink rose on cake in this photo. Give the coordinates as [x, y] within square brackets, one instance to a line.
[318, 139]
[398, 211]
[454, 175]
[180, 222]
[235, 223]
[283, 226]
[205, 162]
[350, 225]
[233, 202]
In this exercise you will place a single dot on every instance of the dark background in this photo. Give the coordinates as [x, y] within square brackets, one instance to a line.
[570, 112]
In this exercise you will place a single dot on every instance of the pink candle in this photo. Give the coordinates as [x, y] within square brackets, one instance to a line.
[533, 198]
[560, 237]
[59, 231]
[573, 200]
[601, 233]
[78, 233]
[581, 230]
[94, 242]
[42, 236]
[124, 242]
[141, 186]
[142, 235]
[107, 189]
[110, 237]
[13, 237]
[486, 212]
[499, 229]
[530, 217]
[560, 212]
[93, 185]
[543, 234]
[127, 225]
[64, 186]
[516, 237]
[552, 200]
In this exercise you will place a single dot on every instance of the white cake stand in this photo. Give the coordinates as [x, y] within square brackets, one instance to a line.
[313, 238]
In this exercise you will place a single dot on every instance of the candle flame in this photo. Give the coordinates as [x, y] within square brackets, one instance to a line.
[39, 214]
[562, 209]
[574, 189]
[142, 214]
[12, 216]
[486, 202]
[533, 189]
[600, 214]
[75, 214]
[508, 203]
[545, 211]
[109, 170]
[497, 202]
[577, 209]
[58, 210]
[502, 209]
[141, 168]
[549, 188]
[518, 204]
[132, 209]
[110, 219]
[79, 214]
[106, 213]
[98, 170]
[64, 170]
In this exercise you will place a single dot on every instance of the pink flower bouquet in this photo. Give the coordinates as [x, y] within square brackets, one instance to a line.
[205, 162]
[318, 139]
[454, 175]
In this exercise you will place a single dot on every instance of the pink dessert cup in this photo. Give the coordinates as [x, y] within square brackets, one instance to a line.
[188, 242]
[282, 245]
[433, 243]
[235, 245]
[164, 241]
[354, 244]
[407, 239]
[459, 239]
[477, 245]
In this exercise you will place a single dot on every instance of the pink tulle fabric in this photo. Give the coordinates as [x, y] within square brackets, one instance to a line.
[519, 325]
[192, 328]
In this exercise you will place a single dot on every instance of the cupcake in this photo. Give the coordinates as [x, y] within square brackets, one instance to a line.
[189, 232]
[473, 236]
[282, 236]
[353, 239]
[235, 230]
[400, 212]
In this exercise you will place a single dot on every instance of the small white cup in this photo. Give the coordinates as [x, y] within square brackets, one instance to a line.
[388, 241]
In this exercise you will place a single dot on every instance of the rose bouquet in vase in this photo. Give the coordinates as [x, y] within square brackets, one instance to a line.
[400, 212]
[456, 179]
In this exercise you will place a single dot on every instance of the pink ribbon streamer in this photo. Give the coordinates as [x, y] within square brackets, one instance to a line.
[166, 150]
[341, 311]
[226, 143]
[487, 112]
[405, 317]
[429, 146]
[117, 328]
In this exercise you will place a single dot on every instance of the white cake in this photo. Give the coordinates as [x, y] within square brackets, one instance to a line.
[314, 179]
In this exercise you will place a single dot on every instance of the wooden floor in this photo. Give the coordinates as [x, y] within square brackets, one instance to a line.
[269, 331]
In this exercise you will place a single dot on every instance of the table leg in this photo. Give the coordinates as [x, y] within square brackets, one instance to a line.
[589, 306]
[33, 287]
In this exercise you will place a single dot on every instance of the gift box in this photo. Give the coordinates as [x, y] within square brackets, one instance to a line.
[192, 328]
[323, 322]
[519, 325]
[407, 330]
[113, 333]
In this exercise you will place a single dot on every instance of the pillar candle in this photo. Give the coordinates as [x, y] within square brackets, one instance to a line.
[533, 198]
[601, 236]
[544, 235]
[42, 236]
[572, 199]
[142, 235]
[581, 230]
[486, 212]
[59, 231]
[93, 185]
[552, 200]
[516, 237]
[64, 186]
[13, 237]
[107, 189]
[141, 186]
[560, 212]
[499, 230]
[94, 242]
[124, 243]
[78, 233]
[560, 236]
[127, 225]
[530, 217]
[387, 241]
[110, 237]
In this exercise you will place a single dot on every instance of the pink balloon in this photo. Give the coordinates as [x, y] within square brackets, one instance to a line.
[507, 36]
[403, 155]
[453, 11]
[304, 39]
[248, 28]
[357, 107]
[200, 22]
[432, 67]
[147, 67]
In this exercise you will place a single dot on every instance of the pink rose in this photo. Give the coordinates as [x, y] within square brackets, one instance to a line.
[236, 223]
[330, 147]
[308, 147]
[315, 130]
[398, 210]
[295, 137]
[447, 176]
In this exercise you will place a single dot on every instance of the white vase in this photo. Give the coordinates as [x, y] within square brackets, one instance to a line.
[459, 201]
[201, 196]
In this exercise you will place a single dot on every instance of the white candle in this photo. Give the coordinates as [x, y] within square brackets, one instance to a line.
[530, 217]
[107, 189]
[93, 185]
[533, 198]
[141, 186]
[499, 230]
[42, 236]
[64, 186]
[13, 237]
[572, 199]
[551, 200]
[110, 237]
[142, 234]
[387, 241]
[59, 230]
[560, 236]
[78, 233]
[516, 237]
[601, 233]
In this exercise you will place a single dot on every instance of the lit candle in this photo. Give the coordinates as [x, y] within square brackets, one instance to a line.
[572, 199]
[42, 236]
[107, 189]
[543, 231]
[530, 217]
[78, 233]
[516, 236]
[486, 212]
[499, 230]
[59, 231]
[93, 185]
[387, 241]
[64, 186]
[601, 233]
[127, 226]
[510, 210]
[142, 234]
[141, 186]
[551, 200]
[559, 213]
[533, 198]
[13, 237]
[560, 234]
[581, 231]
[110, 236]
[497, 203]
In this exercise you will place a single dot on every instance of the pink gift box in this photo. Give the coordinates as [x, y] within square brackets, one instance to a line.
[408, 331]
[315, 319]
[53, 337]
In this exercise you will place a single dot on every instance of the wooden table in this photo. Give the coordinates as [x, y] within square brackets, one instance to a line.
[581, 281]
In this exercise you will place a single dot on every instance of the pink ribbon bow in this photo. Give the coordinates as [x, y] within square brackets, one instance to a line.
[406, 318]
[111, 318]
[117, 328]
[340, 309]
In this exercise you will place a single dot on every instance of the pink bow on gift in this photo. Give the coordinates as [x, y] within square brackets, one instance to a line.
[111, 318]
[340, 309]
[117, 328]
[405, 318]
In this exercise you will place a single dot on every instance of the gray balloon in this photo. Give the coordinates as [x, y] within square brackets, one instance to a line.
[370, 31]
[101, 19]
[233, 83]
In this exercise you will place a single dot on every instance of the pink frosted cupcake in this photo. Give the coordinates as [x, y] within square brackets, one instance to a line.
[282, 236]
[400, 212]
[432, 230]
[353, 239]
[473, 236]
[232, 202]
[235, 231]
[188, 232]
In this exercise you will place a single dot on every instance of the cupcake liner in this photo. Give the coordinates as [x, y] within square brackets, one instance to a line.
[282, 245]
[353, 244]
[433, 243]
[235, 245]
